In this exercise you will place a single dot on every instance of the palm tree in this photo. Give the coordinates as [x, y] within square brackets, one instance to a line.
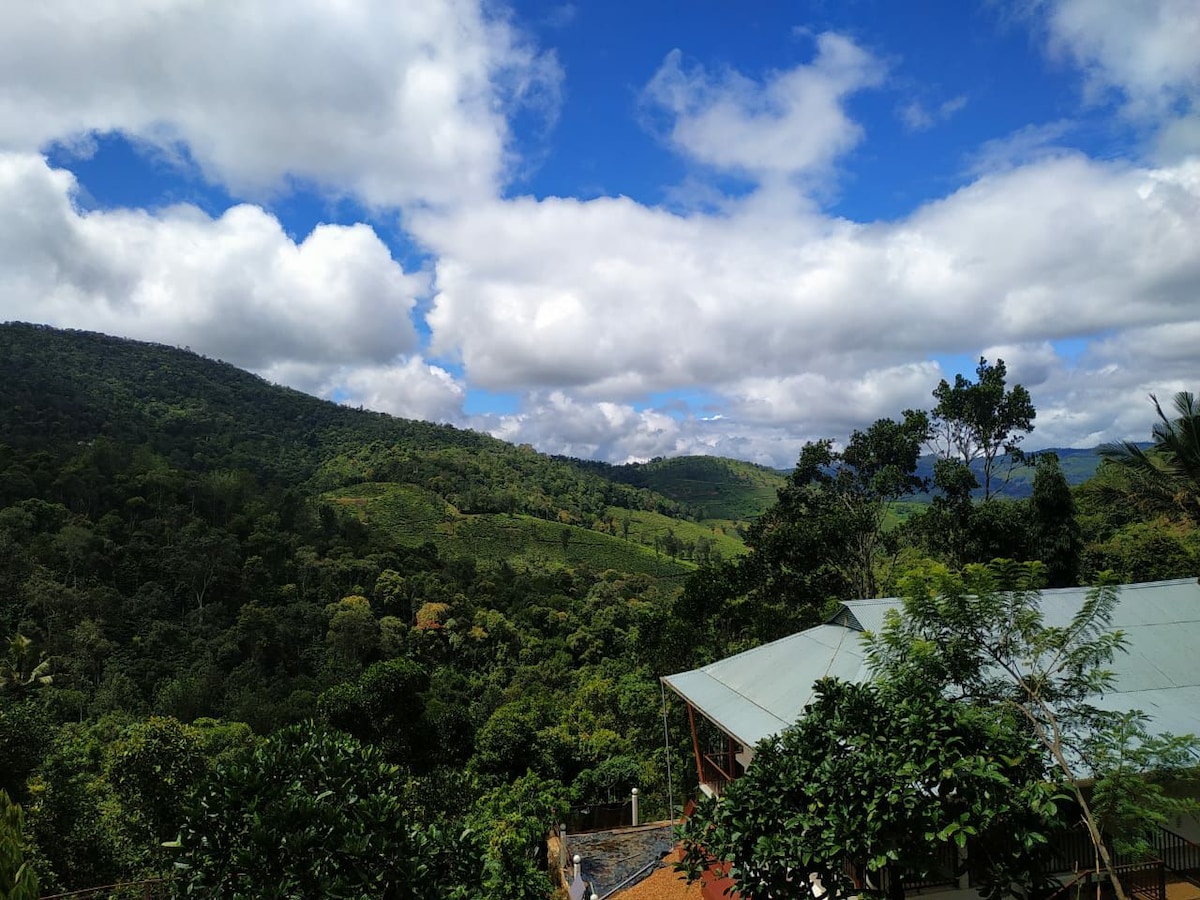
[20, 671]
[1164, 479]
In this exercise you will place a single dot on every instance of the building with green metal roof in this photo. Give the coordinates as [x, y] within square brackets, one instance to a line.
[736, 702]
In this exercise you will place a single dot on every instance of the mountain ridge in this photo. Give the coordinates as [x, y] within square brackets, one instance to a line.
[63, 389]
[204, 403]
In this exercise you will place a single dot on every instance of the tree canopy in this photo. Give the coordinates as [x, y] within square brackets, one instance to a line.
[877, 783]
[313, 813]
[826, 536]
[981, 419]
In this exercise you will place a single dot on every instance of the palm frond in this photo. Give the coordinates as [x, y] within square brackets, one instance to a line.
[1164, 479]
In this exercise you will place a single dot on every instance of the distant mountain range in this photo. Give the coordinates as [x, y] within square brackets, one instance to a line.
[715, 487]
[1077, 466]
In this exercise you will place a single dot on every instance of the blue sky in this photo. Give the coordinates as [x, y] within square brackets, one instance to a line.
[621, 230]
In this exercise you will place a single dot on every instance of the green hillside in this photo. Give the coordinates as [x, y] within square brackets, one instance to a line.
[713, 487]
[61, 390]
[1077, 467]
[411, 516]
[698, 540]
[210, 585]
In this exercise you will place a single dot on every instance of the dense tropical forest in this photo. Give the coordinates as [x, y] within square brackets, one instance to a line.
[277, 647]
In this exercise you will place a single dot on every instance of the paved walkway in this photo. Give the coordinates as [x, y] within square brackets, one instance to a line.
[1182, 890]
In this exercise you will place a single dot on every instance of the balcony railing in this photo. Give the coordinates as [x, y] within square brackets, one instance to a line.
[1179, 855]
[944, 873]
[1146, 880]
[714, 771]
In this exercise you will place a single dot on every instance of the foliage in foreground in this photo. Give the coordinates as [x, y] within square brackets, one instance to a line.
[891, 778]
[984, 635]
[17, 879]
[1166, 478]
[314, 813]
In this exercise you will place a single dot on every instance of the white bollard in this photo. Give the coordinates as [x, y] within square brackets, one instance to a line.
[634, 793]
[578, 860]
[562, 845]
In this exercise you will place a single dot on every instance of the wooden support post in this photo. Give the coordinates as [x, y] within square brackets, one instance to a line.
[695, 743]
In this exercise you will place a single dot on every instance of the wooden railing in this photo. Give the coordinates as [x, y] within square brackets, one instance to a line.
[1179, 855]
[944, 873]
[1146, 880]
[1170, 852]
[713, 774]
[1073, 850]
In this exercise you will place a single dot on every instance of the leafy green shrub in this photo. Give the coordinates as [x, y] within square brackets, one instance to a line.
[314, 813]
[17, 881]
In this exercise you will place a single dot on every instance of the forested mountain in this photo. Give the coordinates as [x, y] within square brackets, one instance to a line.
[1016, 478]
[192, 559]
[715, 487]
[59, 389]
[718, 488]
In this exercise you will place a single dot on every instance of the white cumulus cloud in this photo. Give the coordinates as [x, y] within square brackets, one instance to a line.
[1146, 52]
[790, 123]
[1146, 49]
[556, 422]
[412, 388]
[235, 287]
[619, 299]
[394, 103]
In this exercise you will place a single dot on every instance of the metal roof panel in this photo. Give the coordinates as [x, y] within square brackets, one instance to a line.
[760, 692]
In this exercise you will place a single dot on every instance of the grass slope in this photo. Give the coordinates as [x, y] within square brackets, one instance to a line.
[410, 516]
[716, 487]
[647, 528]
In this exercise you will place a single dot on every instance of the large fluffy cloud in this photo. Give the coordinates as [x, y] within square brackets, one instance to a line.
[1146, 50]
[1146, 53]
[619, 299]
[556, 422]
[393, 102]
[412, 388]
[235, 287]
